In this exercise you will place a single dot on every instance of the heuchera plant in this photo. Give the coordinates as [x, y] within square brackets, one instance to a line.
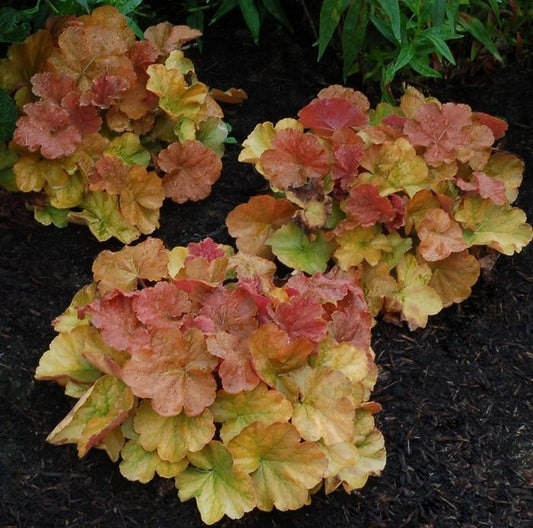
[414, 199]
[110, 125]
[193, 364]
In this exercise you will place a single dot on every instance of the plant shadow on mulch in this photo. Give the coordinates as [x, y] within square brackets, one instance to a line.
[456, 395]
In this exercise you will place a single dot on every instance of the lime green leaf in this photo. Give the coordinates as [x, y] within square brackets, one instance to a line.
[173, 437]
[139, 464]
[213, 134]
[102, 408]
[325, 410]
[416, 299]
[237, 411]
[64, 360]
[219, 488]
[51, 215]
[102, 215]
[128, 148]
[283, 469]
[70, 319]
[296, 250]
[501, 228]
[361, 243]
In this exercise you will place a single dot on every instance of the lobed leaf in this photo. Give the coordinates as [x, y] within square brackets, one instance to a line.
[172, 436]
[259, 405]
[282, 468]
[102, 408]
[218, 487]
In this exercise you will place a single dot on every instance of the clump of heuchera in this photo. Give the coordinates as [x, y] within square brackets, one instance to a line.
[412, 198]
[194, 364]
[110, 125]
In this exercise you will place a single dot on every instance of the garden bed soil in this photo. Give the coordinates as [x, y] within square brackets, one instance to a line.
[456, 395]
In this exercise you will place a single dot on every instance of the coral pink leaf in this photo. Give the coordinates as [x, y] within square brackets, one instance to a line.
[498, 126]
[486, 187]
[325, 288]
[325, 116]
[293, 158]
[235, 370]
[440, 236]
[161, 306]
[232, 311]
[175, 371]
[207, 249]
[191, 169]
[443, 130]
[366, 207]
[302, 316]
[48, 127]
[166, 37]
[84, 118]
[347, 160]
[351, 321]
[105, 90]
[52, 87]
[115, 317]
[110, 174]
[143, 54]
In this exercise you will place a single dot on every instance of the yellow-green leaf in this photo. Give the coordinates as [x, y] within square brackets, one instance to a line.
[237, 411]
[283, 469]
[139, 464]
[173, 436]
[502, 228]
[101, 214]
[361, 243]
[102, 408]
[70, 318]
[128, 148]
[219, 488]
[325, 410]
[64, 360]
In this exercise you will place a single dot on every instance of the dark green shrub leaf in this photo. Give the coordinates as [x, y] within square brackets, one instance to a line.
[392, 9]
[8, 116]
[14, 27]
[330, 15]
[274, 8]
[353, 34]
[251, 17]
[475, 27]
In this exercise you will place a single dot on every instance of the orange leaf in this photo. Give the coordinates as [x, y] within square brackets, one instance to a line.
[440, 236]
[273, 353]
[293, 158]
[253, 223]
[191, 169]
[175, 371]
[166, 37]
[141, 199]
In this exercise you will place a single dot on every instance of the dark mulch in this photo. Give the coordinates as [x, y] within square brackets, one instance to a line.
[456, 395]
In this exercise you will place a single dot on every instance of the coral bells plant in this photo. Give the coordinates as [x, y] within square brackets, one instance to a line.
[414, 199]
[110, 125]
[195, 365]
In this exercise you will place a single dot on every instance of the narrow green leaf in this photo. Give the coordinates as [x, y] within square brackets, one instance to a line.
[403, 58]
[225, 7]
[384, 29]
[475, 27]
[330, 15]
[251, 17]
[8, 116]
[424, 69]
[392, 9]
[440, 44]
[274, 8]
[353, 35]
[438, 12]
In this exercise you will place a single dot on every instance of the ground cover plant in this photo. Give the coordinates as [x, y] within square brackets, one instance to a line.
[109, 125]
[455, 395]
[414, 198]
[192, 364]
